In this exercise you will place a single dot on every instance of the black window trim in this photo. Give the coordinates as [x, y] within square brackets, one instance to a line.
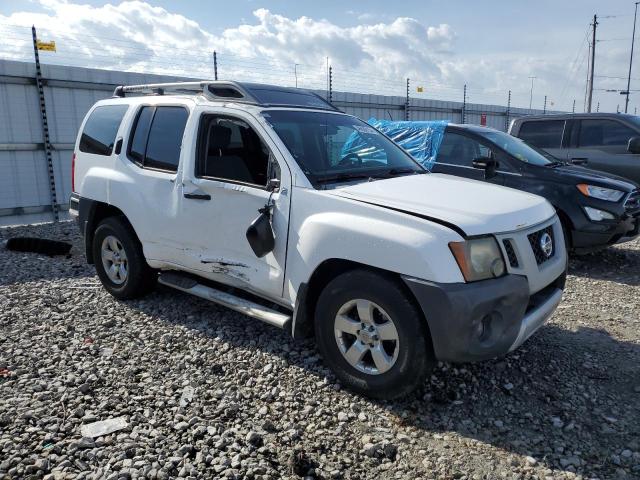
[201, 139]
[134, 126]
[115, 138]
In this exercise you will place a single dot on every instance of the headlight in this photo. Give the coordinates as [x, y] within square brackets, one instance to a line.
[600, 192]
[479, 258]
[597, 215]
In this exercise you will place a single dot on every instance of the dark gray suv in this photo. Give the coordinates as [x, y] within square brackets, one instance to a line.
[602, 141]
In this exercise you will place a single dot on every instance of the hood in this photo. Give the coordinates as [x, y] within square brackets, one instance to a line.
[475, 207]
[576, 174]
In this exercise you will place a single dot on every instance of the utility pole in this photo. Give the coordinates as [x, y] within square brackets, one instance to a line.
[593, 58]
[295, 72]
[574, 106]
[531, 96]
[544, 109]
[215, 65]
[633, 38]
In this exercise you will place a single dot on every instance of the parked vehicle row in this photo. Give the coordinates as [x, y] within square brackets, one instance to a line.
[597, 209]
[271, 202]
[609, 142]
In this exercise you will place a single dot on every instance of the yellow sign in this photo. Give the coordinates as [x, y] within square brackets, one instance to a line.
[420, 89]
[48, 46]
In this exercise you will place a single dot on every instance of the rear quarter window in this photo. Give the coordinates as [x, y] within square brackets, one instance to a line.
[542, 134]
[156, 139]
[100, 129]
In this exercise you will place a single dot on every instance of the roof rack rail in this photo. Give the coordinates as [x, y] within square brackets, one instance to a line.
[213, 89]
[224, 90]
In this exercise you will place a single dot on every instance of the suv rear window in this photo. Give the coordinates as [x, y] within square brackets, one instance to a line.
[99, 134]
[543, 134]
[157, 137]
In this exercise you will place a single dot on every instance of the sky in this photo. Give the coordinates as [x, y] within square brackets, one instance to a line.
[372, 46]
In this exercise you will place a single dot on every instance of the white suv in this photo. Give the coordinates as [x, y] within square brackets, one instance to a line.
[271, 202]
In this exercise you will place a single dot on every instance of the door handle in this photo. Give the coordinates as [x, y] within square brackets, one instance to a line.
[197, 196]
[579, 160]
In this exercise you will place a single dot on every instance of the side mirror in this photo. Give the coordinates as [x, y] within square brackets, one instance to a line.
[488, 164]
[634, 145]
[260, 234]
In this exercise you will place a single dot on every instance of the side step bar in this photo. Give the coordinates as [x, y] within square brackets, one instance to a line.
[242, 305]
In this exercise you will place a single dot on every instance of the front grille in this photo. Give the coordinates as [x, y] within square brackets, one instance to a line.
[511, 253]
[632, 204]
[534, 241]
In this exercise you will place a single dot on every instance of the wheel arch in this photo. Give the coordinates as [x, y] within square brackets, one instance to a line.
[91, 213]
[567, 226]
[308, 294]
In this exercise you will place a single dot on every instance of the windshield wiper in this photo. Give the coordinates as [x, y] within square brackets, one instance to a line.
[342, 176]
[555, 164]
[401, 171]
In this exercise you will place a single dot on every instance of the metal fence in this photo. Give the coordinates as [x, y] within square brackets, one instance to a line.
[28, 184]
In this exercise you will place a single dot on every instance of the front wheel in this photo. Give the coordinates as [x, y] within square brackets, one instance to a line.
[372, 336]
[119, 261]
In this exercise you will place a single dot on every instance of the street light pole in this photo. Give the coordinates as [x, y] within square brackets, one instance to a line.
[531, 96]
[633, 38]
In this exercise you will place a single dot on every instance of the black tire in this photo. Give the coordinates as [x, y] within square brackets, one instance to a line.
[140, 279]
[414, 358]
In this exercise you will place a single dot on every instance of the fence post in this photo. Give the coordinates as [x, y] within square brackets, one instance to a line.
[544, 109]
[507, 113]
[330, 84]
[215, 65]
[464, 105]
[45, 128]
[406, 105]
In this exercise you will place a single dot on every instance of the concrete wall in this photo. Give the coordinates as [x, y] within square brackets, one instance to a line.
[70, 92]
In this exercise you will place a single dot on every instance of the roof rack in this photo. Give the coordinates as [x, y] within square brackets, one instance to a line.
[230, 91]
[218, 90]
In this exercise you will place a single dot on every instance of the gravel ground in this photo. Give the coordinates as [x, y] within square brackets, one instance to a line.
[207, 393]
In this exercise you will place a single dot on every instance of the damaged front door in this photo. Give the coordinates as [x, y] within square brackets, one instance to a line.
[229, 184]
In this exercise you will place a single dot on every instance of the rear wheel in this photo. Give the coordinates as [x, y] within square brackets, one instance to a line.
[119, 261]
[372, 335]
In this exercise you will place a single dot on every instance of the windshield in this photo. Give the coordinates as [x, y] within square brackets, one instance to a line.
[517, 148]
[334, 147]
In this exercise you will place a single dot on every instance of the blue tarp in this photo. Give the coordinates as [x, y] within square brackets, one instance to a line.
[421, 139]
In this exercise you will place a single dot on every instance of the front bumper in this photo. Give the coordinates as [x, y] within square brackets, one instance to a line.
[482, 320]
[602, 234]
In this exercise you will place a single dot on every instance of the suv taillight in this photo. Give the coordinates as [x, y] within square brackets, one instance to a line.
[73, 172]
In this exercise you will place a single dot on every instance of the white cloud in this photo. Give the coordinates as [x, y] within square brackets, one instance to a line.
[375, 56]
[135, 35]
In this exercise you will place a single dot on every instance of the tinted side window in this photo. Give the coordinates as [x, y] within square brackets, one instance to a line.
[598, 133]
[165, 138]
[231, 150]
[139, 139]
[100, 130]
[157, 137]
[460, 150]
[543, 134]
